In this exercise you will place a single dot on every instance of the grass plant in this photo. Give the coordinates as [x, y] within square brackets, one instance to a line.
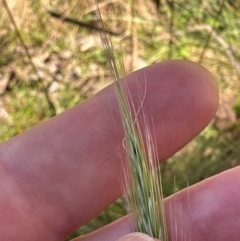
[144, 196]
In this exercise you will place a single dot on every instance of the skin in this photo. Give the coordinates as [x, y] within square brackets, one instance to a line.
[57, 176]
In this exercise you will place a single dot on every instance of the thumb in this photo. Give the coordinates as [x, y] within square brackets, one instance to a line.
[137, 237]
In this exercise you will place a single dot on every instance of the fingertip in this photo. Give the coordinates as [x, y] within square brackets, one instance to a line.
[205, 81]
[137, 237]
[193, 78]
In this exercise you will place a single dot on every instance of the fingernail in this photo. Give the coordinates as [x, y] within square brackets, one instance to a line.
[136, 237]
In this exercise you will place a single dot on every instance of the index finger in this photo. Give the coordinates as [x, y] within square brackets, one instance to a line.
[63, 172]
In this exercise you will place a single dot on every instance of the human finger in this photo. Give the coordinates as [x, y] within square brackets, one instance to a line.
[205, 211]
[66, 170]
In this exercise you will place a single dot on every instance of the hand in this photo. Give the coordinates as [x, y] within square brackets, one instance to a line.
[57, 176]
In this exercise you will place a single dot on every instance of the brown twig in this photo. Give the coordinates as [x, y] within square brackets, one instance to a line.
[210, 34]
[44, 89]
[133, 37]
[170, 4]
[228, 48]
[79, 23]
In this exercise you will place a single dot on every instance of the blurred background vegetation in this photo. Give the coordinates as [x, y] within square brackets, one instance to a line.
[52, 59]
